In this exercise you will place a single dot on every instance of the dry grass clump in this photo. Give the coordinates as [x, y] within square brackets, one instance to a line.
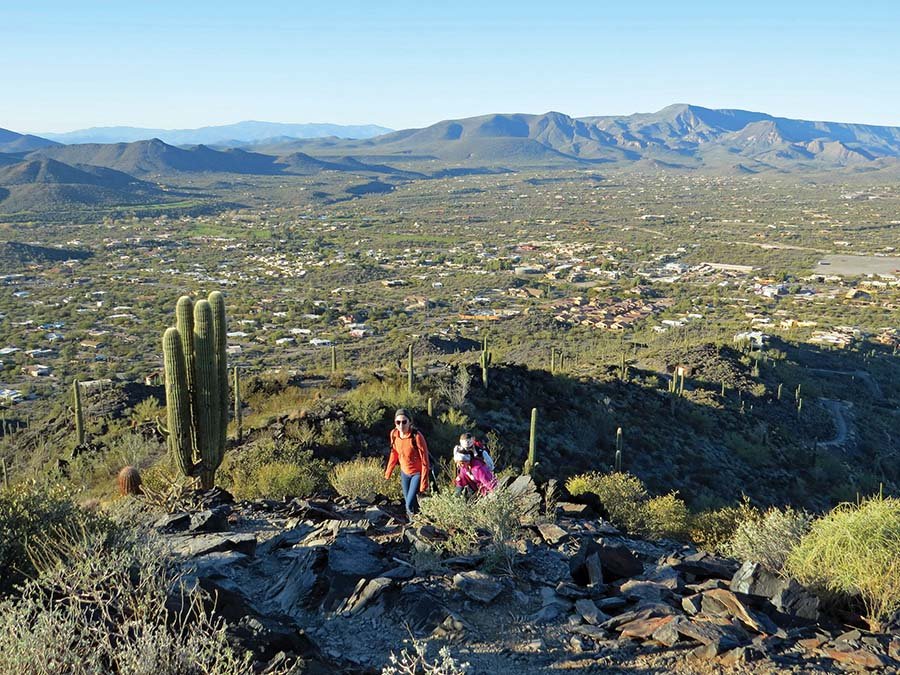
[769, 538]
[363, 477]
[855, 550]
[98, 604]
[32, 513]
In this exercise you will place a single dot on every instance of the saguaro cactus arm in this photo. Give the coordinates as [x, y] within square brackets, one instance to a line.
[178, 406]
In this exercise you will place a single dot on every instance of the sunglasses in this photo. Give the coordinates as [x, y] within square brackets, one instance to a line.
[400, 423]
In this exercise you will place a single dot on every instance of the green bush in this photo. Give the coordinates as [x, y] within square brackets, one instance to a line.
[666, 516]
[712, 529]
[363, 477]
[855, 550]
[32, 514]
[99, 605]
[277, 480]
[364, 402]
[768, 539]
[495, 517]
[446, 431]
[631, 507]
[623, 495]
[272, 469]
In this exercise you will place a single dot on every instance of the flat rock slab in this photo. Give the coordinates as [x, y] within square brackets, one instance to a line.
[857, 657]
[551, 533]
[638, 589]
[477, 585]
[721, 635]
[301, 583]
[590, 612]
[618, 561]
[211, 520]
[719, 602]
[366, 592]
[644, 628]
[174, 522]
[574, 510]
[201, 544]
[785, 594]
[354, 554]
[706, 566]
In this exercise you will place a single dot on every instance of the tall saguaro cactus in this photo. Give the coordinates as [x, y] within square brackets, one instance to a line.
[197, 387]
[178, 404]
[531, 463]
[485, 360]
[238, 413]
[79, 412]
[410, 376]
[618, 463]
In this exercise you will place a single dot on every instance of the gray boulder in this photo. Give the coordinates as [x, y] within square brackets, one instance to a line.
[786, 595]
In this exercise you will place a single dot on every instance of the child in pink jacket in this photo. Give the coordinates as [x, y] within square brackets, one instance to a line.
[472, 474]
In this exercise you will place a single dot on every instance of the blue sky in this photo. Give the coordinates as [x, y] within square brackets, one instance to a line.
[69, 65]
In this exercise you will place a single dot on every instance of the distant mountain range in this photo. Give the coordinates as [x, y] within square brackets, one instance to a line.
[679, 136]
[48, 185]
[10, 141]
[36, 172]
[229, 135]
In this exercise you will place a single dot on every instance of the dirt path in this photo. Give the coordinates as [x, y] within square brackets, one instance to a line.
[839, 413]
[863, 375]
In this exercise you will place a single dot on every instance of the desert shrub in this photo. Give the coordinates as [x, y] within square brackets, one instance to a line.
[333, 434]
[445, 433]
[496, 450]
[769, 538]
[276, 404]
[713, 528]
[363, 477]
[455, 388]
[666, 516]
[623, 495]
[99, 605]
[252, 471]
[631, 507]
[146, 411]
[366, 412]
[31, 514]
[302, 432]
[853, 550]
[363, 402]
[416, 660]
[466, 522]
[277, 480]
[95, 472]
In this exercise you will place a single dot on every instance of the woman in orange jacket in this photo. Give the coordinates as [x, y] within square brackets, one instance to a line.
[409, 449]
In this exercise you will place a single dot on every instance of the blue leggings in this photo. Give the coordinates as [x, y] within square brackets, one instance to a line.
[410, 487]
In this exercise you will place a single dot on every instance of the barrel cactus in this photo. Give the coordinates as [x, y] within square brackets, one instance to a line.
[129, 481]
[197, 387]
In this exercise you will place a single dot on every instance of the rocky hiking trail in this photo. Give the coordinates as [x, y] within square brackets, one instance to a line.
[332, 586]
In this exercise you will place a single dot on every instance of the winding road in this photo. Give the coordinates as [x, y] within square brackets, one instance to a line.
[839, 413]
